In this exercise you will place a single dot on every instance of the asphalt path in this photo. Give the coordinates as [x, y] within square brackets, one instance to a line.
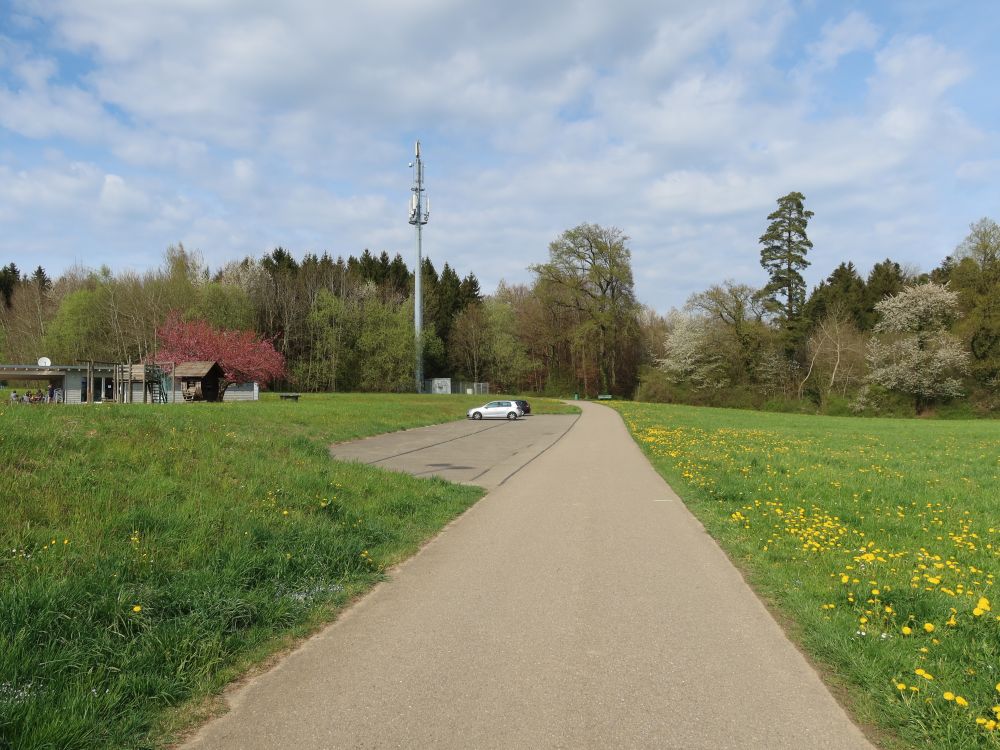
[578, 605]
[482, 452]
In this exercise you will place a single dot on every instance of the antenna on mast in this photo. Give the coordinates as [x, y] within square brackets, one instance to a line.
[419, 214]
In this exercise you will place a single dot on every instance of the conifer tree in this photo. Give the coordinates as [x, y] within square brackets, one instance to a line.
[10, 277]
[783, 256]
[470, 292]
[844, 291]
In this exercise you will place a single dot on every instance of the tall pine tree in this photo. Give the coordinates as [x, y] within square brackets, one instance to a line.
[783, 256]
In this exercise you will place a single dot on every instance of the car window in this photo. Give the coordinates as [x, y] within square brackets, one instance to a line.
[492, 404]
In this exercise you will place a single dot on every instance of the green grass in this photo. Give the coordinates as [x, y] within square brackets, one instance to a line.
[150, 554]
[854, 530]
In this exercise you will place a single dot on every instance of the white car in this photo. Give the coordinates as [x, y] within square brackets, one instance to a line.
[496, 410]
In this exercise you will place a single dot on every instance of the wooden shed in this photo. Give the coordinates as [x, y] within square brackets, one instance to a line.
[202, 381]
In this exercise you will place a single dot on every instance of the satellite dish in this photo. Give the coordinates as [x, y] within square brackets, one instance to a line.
[44, 362]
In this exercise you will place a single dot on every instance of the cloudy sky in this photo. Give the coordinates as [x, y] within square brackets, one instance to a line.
[234, 126]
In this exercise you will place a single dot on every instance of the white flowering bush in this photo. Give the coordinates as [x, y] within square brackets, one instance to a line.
[912, 351]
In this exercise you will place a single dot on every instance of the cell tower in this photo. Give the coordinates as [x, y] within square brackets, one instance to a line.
[419, 214]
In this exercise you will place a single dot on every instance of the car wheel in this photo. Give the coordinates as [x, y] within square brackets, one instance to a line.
[477, 415]
[512, 415]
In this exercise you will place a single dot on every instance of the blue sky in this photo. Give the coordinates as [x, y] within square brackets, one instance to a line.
[234, 126]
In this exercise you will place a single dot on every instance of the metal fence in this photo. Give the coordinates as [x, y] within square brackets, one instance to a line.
[448, 385]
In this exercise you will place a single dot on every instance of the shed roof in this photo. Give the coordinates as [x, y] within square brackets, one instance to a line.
[197, 369]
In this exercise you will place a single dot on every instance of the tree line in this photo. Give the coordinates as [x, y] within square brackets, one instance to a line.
[854, 343]
[347, 324]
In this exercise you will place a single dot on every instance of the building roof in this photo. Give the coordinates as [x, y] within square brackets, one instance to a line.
[37, 372]
[197, 369]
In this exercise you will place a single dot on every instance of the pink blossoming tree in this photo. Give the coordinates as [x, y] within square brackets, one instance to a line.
[243, 356]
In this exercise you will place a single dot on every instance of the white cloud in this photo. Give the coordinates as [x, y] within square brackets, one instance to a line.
[978, 170]
[38, 108]
[854, 33]
[244, 172]
[119, 199]
[916, 68]
[31, 194]
[235, 125]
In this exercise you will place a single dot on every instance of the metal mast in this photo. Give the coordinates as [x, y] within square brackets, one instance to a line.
[419, 214]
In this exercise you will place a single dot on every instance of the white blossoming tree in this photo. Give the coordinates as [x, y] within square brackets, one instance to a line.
[912, 351]
[692, 353]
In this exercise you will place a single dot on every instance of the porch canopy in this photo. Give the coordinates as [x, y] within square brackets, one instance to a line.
[52, 373]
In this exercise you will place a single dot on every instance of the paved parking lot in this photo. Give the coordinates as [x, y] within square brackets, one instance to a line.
[484, 453]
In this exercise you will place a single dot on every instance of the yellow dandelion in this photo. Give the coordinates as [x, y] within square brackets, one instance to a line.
[960, 701]
[137, 608]
[929, 627]
[949, 696]
[906, 630]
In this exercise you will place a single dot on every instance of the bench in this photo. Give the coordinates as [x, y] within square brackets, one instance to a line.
[289, 396]
[604, 397]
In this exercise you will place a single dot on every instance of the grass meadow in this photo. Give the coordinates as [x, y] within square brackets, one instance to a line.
[876, 541]
[150, 554]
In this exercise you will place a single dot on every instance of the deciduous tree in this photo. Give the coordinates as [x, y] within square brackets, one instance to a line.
[835, 354]
[590, 270]
[913, 352]
[982, 243]
[242, 355]
[737, 308]
[692, 352]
